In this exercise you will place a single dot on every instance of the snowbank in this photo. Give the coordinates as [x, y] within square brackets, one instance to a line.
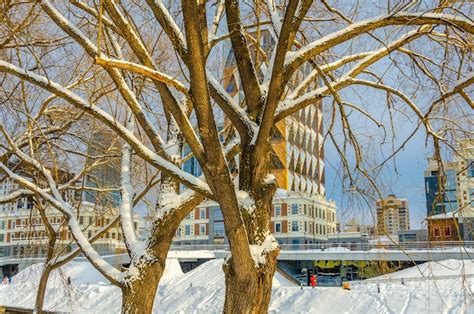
[202, 291]
[450, 267]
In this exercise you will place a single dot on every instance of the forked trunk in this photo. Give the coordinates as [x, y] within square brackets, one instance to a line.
[139, 295]
[252, 294]
[42, 288]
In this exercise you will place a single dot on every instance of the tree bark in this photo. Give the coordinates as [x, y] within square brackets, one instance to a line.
[138, 296]
[251, 294]
[39, 303]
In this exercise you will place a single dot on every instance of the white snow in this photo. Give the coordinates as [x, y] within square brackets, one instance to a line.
[202, 291]
[245, 201]
[260, 251]
[450, 267]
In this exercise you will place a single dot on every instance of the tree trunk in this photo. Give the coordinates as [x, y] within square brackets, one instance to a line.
[251, 294]
[42, 288]
[138, 296]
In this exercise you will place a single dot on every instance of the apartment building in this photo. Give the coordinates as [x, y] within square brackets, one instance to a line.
[23, 232]
[393, 215]
[296, 218]
[451, 187]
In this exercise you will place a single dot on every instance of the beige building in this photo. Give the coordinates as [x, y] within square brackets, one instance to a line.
[296, 218]
[393, 215]
[23, 232]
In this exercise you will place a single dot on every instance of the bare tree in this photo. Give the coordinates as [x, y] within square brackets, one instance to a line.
[318, 36]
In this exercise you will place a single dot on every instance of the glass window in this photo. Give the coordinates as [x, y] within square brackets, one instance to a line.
[202, 229]
[470, 169]
[2, 237]
[277, 227]
[218, 215]
[202, 213]
[436, 232]
[295, 226]
[294, 209]
[277, 210]
[2, 224]
[81, 220]
[219, 230]
[187, 229]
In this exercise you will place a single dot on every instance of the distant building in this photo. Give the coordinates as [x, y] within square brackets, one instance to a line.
[106, 174]
[451, 187]
[407, 236]
[393, 215]
[295, 219]
[23, 233]
[444, 227]
[353, 225]
[451, 226]
[352, 240]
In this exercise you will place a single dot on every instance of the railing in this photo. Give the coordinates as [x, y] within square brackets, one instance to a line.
[326, 247]
[359, 246]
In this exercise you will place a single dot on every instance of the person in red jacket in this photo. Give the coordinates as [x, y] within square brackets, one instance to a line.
[312, 281]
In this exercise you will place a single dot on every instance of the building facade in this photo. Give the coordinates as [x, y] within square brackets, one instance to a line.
[295, 219]
[23, 231]
[451, 188]
[393, 215]
[444, 227]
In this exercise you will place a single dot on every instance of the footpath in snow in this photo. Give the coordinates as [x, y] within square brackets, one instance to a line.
[202, 291]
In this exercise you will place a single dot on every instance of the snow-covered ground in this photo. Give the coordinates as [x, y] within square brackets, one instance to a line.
[202, 291]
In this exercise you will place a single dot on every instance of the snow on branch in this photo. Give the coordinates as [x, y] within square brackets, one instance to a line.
[98, 261]
[143, 70]
[142, 150]
[297, 58]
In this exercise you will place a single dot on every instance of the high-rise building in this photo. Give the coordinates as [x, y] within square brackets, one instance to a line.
[393, 215]
[301, 213]
[106, 174]
[298, 153]
[449, 186]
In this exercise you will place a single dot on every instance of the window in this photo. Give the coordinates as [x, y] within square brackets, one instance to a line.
[219, 230]
[447, 231]
[277, 210]
[90, 221]
[2, 237]
[295, 226]
[218, 215]
[202, 213]
[294, 209]
[187, 230]
[89, 234]
[277, 227]
[436, 232]
[81, 220]
[470, 168]
[202, 229]
[2, 224]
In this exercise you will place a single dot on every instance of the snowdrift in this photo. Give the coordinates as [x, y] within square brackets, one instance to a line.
[202, 291]
[450, 267]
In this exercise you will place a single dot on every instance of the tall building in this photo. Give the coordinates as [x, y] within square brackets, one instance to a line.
[451, 188]
[393, 215]
[298, 153]
[107, 174]
[301, 213]
[295, 219]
